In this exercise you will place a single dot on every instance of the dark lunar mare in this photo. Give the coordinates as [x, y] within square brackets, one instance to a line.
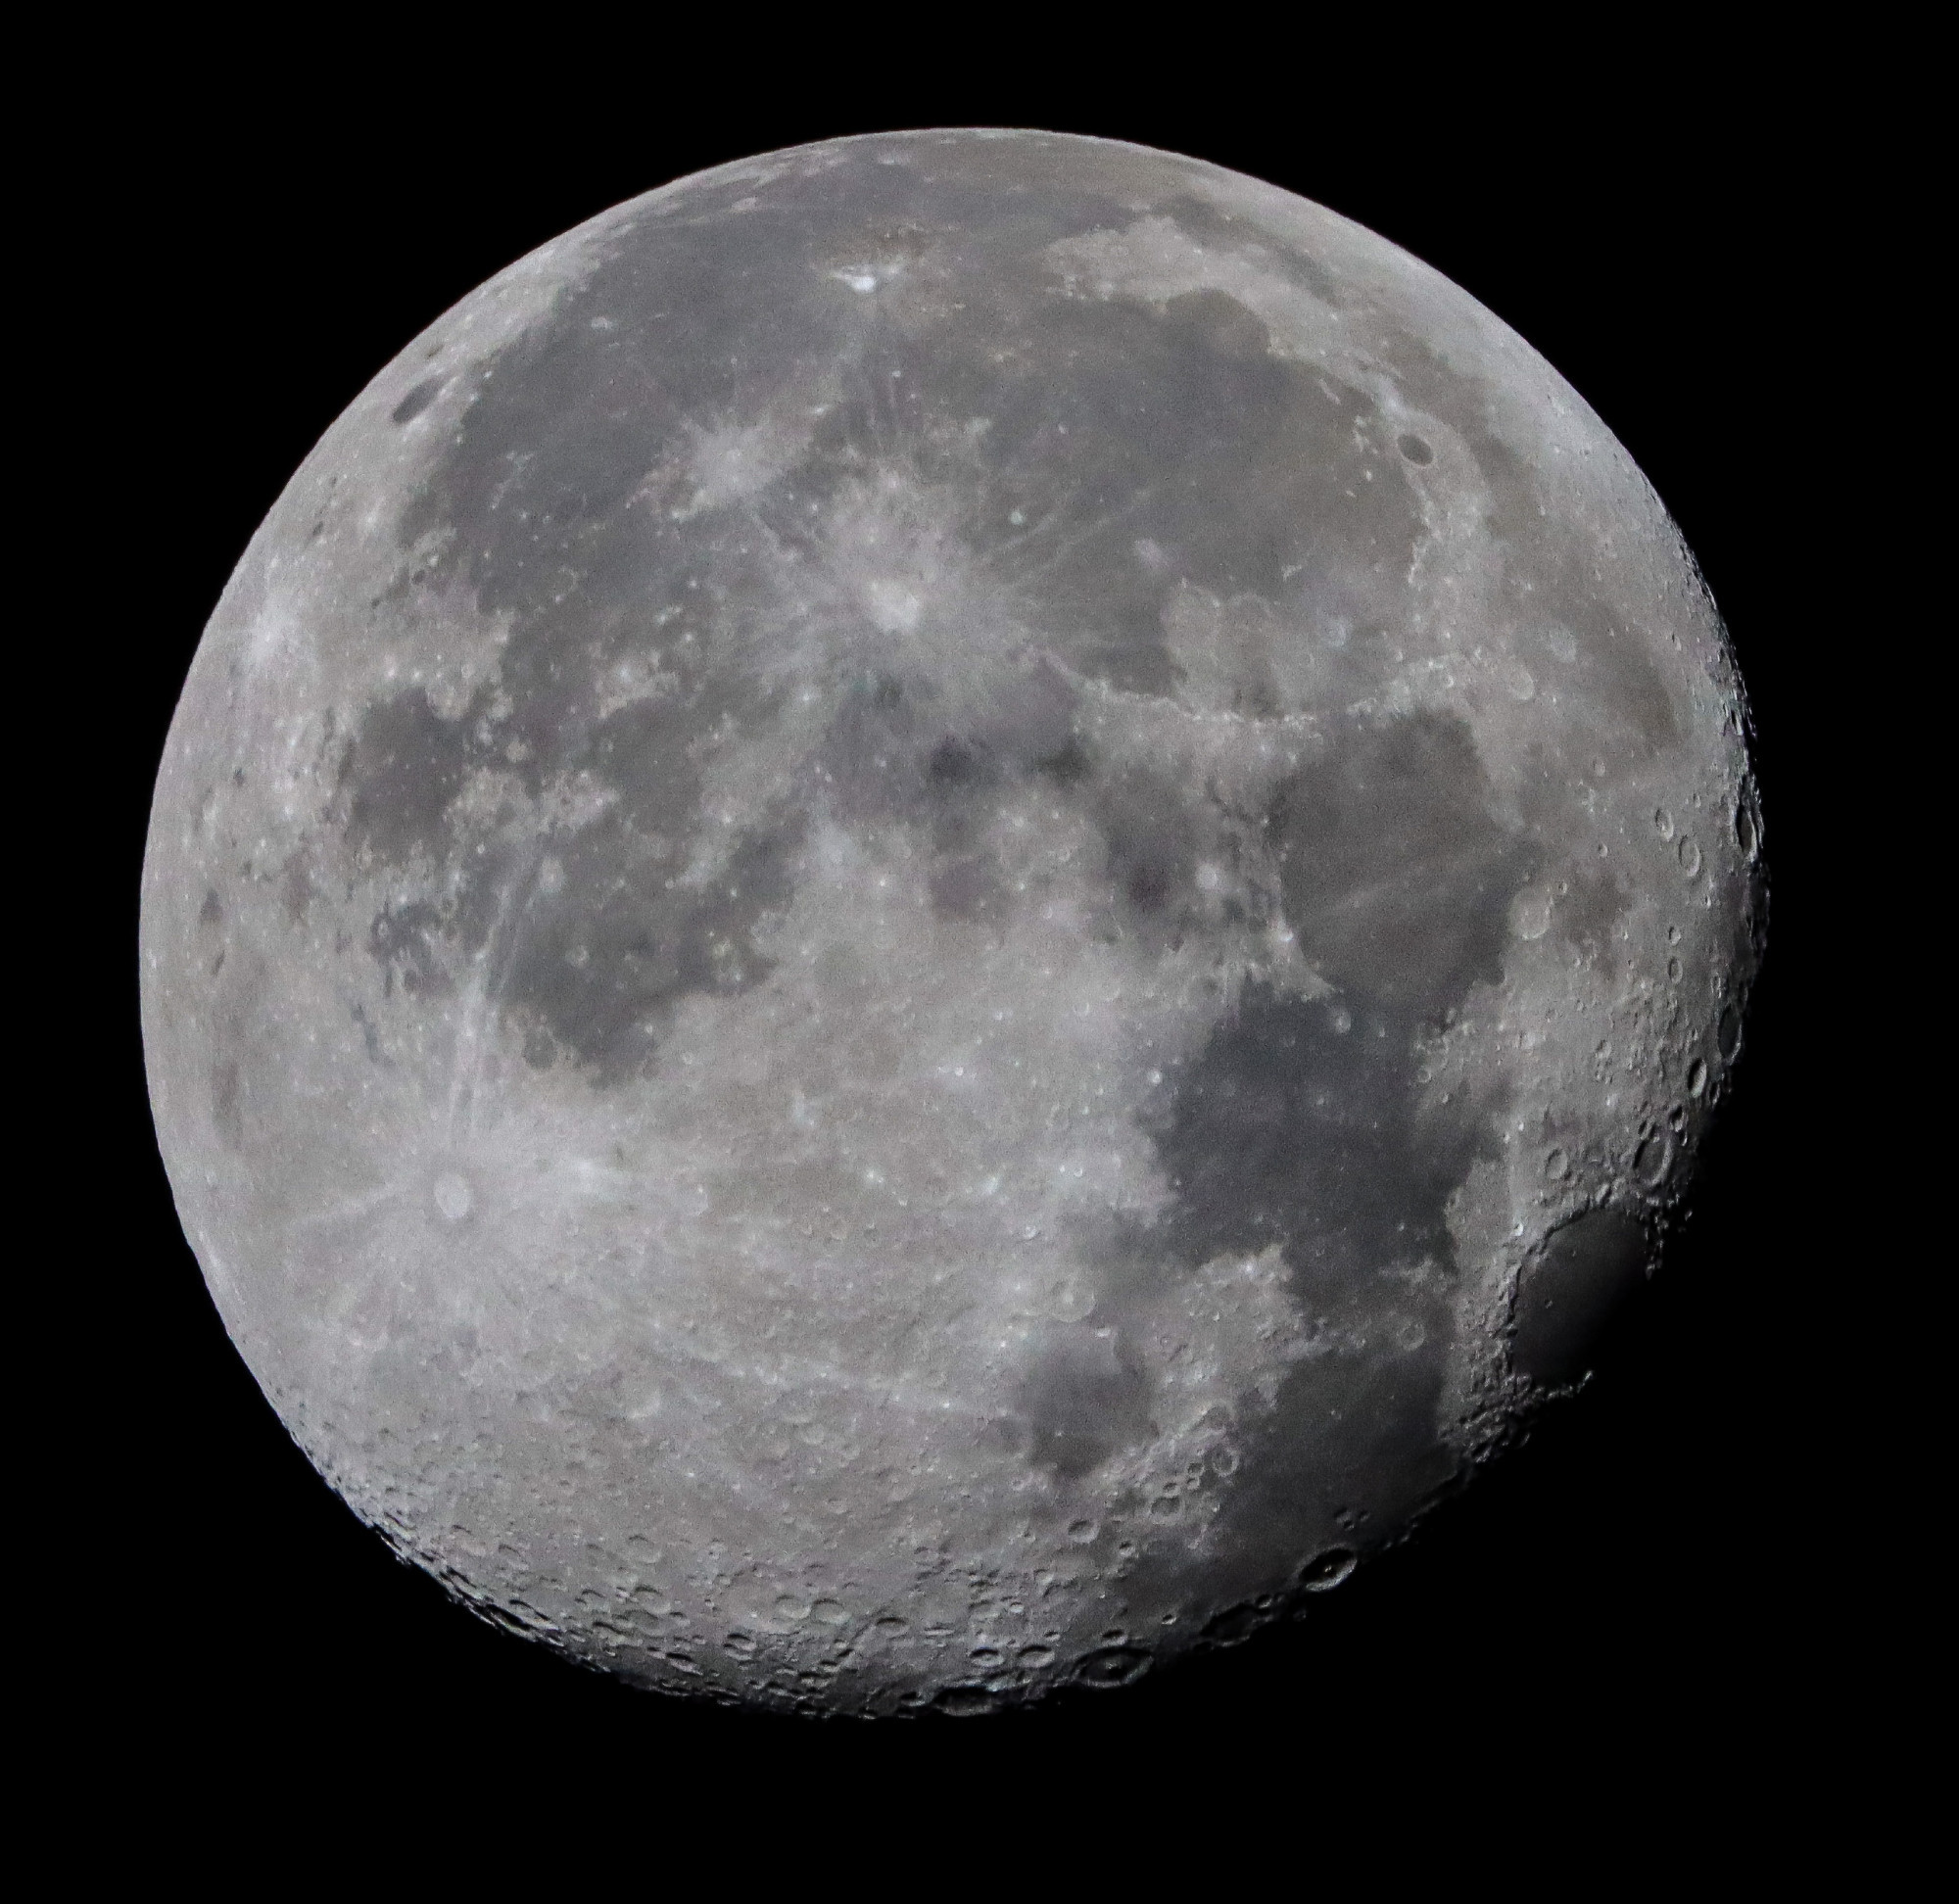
[1300, 1124]
[1108, 419]
[1284, 1130]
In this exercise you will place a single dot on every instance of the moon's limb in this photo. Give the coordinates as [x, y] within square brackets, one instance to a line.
[935, 910]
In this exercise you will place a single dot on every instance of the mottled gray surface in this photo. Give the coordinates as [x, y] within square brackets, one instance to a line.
[938, 909]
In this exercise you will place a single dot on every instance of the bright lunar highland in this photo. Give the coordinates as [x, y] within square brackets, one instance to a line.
[936, 913]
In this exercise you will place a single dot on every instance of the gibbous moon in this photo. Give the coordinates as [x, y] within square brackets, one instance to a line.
[936, 913]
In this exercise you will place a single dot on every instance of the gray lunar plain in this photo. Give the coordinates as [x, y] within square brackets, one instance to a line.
[935, 912]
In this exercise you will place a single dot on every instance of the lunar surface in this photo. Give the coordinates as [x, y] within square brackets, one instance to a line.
[936, 913]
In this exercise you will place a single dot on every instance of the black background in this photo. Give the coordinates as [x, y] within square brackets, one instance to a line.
[1630, 1604]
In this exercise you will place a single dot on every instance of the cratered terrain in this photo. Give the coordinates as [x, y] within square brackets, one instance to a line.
[936, 913]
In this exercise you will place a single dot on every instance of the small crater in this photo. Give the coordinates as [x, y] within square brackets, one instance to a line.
[1416, 451]
[1747, 835]
[454, 1197]
[1728, 1033]
[1689, 856]
[1234, 1625]
[1530, 914]
[416, 400]
[1111, 1666]
[965, 1701]
[1650, 1162]
[1696, 1077]
[1325, 1571]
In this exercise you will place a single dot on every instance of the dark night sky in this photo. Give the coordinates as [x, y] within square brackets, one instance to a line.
[1645, 1569]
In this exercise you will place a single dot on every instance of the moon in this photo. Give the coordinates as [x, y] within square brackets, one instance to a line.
[937, 913]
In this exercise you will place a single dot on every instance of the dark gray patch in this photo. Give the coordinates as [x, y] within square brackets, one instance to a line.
[406, 941]
[595, 966]
[1204, 221]
[1415, 450]
[600, 967]
[1007, 1434]
[1616, 667]
[1549, 576]
[1512, 517]
[296, 890]
[1551, 582]
[1570, 1292]
[1177, 425]
[212, 912]
[1397, 876]
[1029, 720]
[1301, 1128]
[1352, 1451]
[887, 755]
[224, 1113]
[1106, 420]
[1589, 910]
[416, 400]
[1069, 763]
[399, 774]
[968, 890]
[1085, 1400]
[958, 769]
[1287, 1130]
[1151, 844]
